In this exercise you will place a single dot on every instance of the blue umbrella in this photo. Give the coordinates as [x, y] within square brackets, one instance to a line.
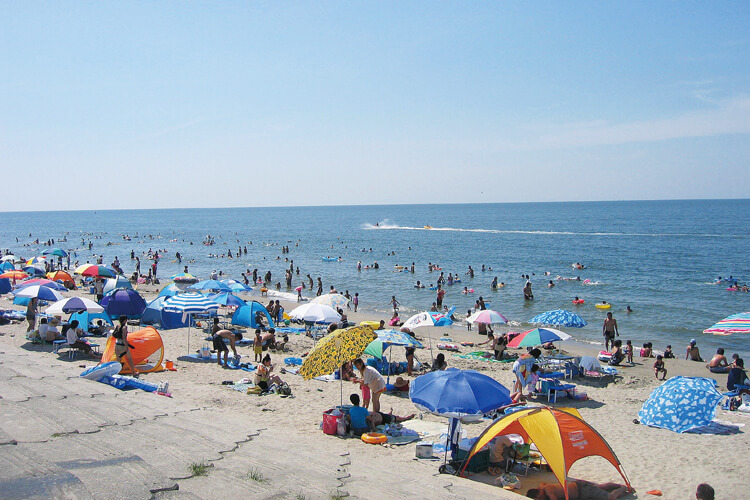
[171, 290]
[6, 266]
[213, 285]
[245, 315]
[117, 282]
[34, 271]
[190, 303]
[455, 393]
[226, 299]
[236, 286]
[559, 317]
[681, 404]
[5, 285]
[123, 301]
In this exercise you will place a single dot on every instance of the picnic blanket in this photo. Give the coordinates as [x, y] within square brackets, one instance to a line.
[482, 356]
[718, 427]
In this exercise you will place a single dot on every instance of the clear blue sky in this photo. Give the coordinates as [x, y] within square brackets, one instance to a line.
[207, 104]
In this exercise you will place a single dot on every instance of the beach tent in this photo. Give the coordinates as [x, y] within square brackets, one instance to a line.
[561, 438]
[86, 319]
[681, 404]
[148, 351]
[245, 315]
[5, 286]
[154, 314]
[115, 283]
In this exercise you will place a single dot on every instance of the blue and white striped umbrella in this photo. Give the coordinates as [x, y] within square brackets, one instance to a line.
[236, 286]
[190, 303]
[39, 292]
[559, 317]
[681, 404]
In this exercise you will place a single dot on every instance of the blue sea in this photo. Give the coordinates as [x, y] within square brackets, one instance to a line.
[659, 257]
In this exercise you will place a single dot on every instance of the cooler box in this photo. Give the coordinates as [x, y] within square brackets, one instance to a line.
[330, 423]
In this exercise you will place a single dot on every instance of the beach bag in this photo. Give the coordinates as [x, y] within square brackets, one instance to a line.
[509, 480]
[285, 389]
[118, 332]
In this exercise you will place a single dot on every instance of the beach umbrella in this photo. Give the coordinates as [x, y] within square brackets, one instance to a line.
[681, 404]
[43, 282]
[245, 315]
[455, 394]
[35, 271]
[559, 317]
[420, 320]
[7, 266]
[8, 258]
[332, 300]
[487, 317]
[59, 252]
[388, 338]
[736, 323]
[226, 299]
[86, 318]
[316, 313]
[61, 276]
[213, 285]
[14, 275]
[562, 438]
[5, 285]
[95, 270]
[74, 304]
[115, 283]
[236, 286]
[123, 301]
[172, 289]
[188, 304]
[39, 292]
[36, 260]
[184, 278]
[335, 349]
[538, 336]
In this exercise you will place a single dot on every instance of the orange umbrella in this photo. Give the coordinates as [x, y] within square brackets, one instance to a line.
[14, 275]
[61, 276]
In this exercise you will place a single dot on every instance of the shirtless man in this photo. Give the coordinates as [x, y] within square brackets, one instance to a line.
[718, 363]
[578, 489]
[377, 418]
[221, 347]
[693, 353]
[609, 330]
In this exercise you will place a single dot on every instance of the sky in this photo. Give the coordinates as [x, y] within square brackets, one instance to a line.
[231, 104]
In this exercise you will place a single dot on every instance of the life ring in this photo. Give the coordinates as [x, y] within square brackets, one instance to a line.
[374, 438]
[579, 301]
[470, 290]
[602, 306]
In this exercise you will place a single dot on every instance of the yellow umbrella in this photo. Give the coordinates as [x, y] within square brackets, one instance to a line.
[335, 349]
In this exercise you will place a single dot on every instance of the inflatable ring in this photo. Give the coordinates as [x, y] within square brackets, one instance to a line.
[603, 306]
[580, 301]
[374, 438]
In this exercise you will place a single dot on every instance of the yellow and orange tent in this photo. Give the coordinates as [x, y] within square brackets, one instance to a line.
[148, 351]
[561, 437]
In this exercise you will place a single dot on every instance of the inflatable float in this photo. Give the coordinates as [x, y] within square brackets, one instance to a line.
[604, 356]
[102, 370]
[374, 438]
[330, 259]
[448, 347]
[372, 324]
[579, 301]
[470, 290]
[603, 306]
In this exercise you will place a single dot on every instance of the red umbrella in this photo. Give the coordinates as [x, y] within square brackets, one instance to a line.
[14, 275]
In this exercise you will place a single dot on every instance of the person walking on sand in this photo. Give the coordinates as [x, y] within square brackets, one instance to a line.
[31, 310]
[609, 330]
[122, 348]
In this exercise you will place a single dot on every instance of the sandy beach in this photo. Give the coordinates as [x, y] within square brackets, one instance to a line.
[289, 428]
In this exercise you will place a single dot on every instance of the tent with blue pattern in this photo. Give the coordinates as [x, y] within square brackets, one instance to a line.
[559, 317]
[681, 404]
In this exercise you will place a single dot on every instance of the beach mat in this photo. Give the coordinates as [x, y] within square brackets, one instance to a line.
[196, 358]
[425, 427]
[717, 427]
[480, 355]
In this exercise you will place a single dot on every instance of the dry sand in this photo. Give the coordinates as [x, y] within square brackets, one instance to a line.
[652, 458]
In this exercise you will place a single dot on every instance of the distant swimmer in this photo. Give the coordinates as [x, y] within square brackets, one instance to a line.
[551, 284]
[527, 293]
[628, 309]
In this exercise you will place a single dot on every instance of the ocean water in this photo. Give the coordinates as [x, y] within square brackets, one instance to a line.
[659, 257]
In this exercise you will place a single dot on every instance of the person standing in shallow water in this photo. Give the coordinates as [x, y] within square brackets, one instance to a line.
[527, 293]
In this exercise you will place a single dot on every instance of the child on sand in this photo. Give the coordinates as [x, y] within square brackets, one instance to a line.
[659, 367]
[629, 351]
[468, 323]
[258, 346]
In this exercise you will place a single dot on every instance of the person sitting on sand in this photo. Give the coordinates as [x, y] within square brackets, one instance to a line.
[718, 363]
[401, 384]
[49, 332]
[395, 320]
[578, 489]
[617, 354]
[499, 453]
[668, 352]
[221, 347]
[497, 345]
[377, 418]
[693, 353]
[372, 380]
[439, 364]
[704, 492]
[659, 367]
[737, 375]
[264, 376]
[358, 417]
[646, 351]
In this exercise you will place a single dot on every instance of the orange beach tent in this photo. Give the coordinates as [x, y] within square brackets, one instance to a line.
[561, 438]
[148, 351]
